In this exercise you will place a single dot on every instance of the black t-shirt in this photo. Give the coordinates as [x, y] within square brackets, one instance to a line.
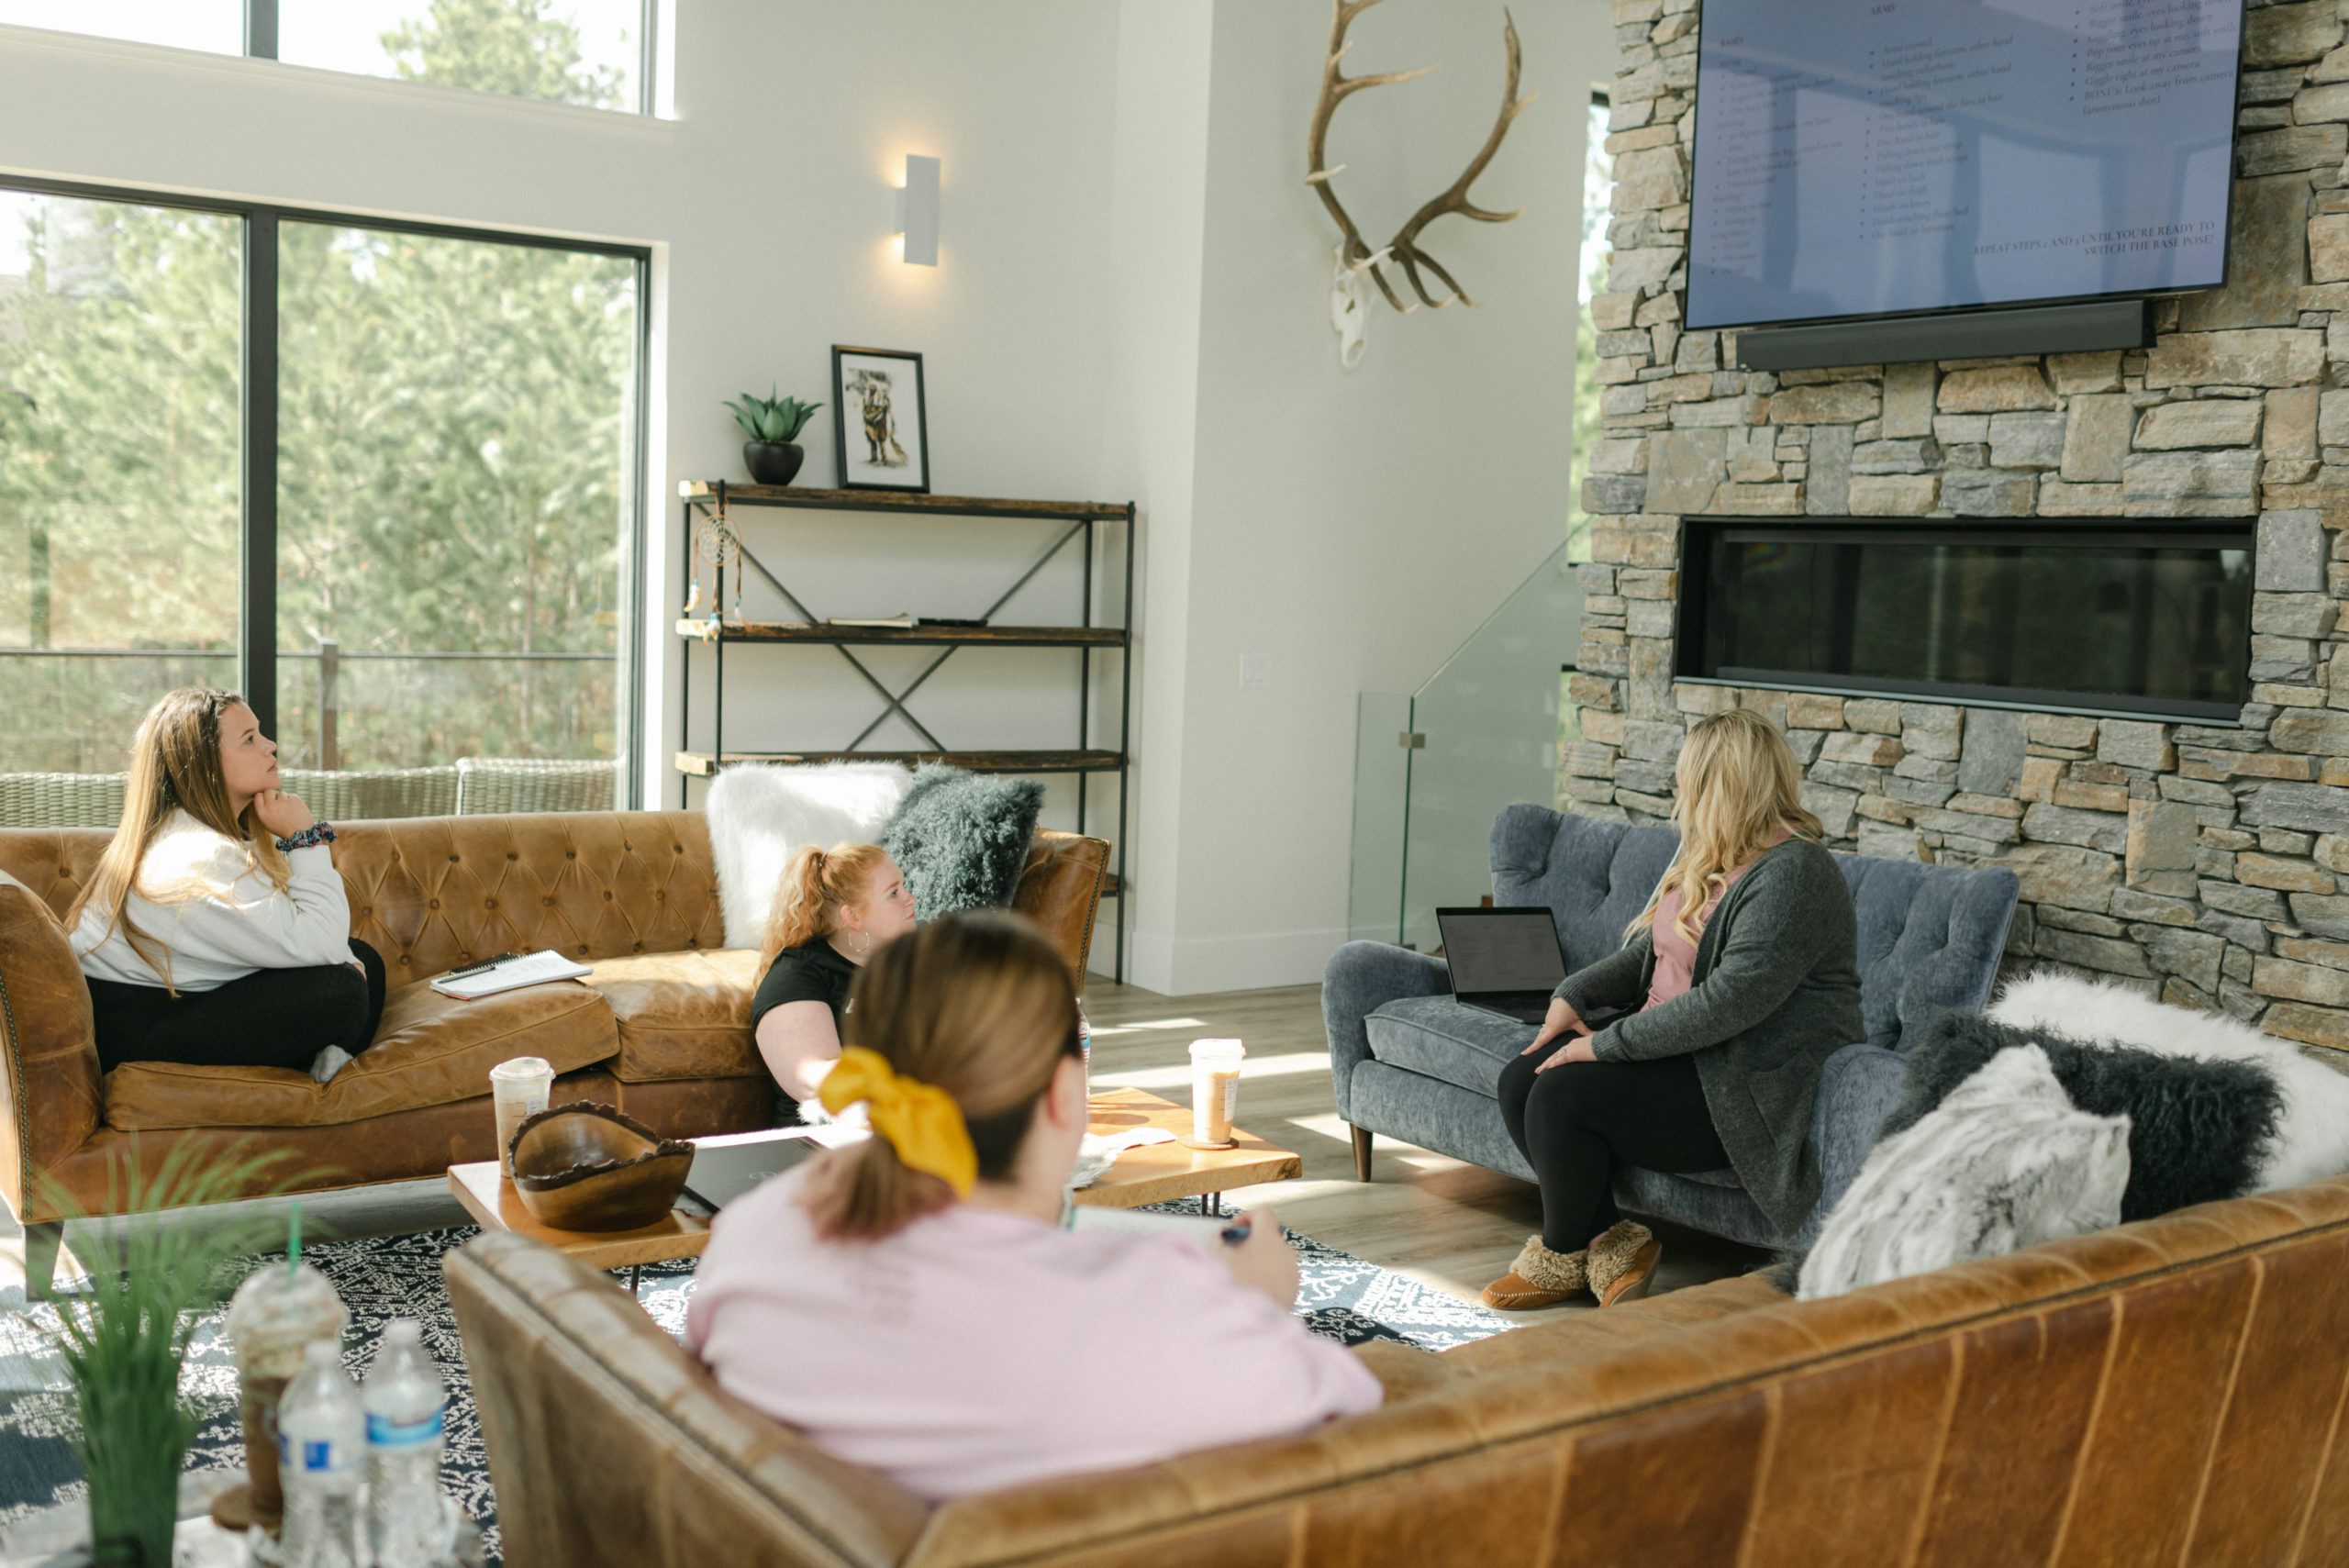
[815, 972]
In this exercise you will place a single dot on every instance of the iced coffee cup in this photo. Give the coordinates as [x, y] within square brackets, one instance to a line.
[273, 1318]
[1215, 1091]
[518, 1089]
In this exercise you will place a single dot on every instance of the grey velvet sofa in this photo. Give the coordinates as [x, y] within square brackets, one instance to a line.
[1408, 1061]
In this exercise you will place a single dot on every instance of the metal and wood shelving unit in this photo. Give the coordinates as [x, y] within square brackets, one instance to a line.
[706, 500]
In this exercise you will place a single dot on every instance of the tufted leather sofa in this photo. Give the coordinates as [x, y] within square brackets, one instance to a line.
[661, 1028]
[1408, 1061]
[2163, 1391]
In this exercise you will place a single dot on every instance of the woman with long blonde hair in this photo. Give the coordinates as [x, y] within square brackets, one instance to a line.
[912, 1302]
[833, 908]
[215, 929]
[1732, 989]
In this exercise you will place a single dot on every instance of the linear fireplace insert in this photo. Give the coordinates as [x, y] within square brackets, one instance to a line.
[2136, 617]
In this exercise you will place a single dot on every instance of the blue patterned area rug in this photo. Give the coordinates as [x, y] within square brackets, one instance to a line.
[381, 1278]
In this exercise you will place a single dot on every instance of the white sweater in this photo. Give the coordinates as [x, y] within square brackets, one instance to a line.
[234, 923]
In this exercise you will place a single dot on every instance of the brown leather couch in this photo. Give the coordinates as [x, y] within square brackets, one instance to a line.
[660, 1028]
[2168, 1392]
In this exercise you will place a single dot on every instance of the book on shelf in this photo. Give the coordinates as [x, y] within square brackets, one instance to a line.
[903, 622]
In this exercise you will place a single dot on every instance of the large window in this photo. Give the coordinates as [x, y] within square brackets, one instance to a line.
[594, 52]
[384, 480]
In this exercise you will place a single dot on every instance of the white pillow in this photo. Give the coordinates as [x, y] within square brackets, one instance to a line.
[761, 812]
[2311, 1137]
[2004, 1163]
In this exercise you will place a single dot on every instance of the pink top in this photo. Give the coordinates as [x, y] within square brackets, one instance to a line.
[977, 1348]
[1675, 956]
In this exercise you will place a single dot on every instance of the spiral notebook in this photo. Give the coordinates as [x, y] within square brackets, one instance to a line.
[508, 974]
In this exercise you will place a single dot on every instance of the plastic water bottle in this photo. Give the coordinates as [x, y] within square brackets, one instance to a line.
[1085, 1043]
[322, 1459]
[407, 1519]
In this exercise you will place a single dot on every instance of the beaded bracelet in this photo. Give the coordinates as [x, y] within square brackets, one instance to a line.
[315, 833]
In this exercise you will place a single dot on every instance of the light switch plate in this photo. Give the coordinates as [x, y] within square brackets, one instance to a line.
[1255, 670]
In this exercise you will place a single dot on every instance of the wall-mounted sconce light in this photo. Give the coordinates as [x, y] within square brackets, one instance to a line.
[918, 210]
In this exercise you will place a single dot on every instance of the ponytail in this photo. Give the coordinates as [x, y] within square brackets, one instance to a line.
[976, 1004]
[816, 883]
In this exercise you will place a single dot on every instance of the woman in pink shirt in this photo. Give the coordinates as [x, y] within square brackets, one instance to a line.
[912, 1302]
[1733, 987]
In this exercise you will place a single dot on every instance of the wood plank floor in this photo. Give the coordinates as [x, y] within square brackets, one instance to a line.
[1438, 1220]
[1448, 1224]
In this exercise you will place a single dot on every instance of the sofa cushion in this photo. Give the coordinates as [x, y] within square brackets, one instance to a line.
[1466, 1047]
[429, 1049]
[682, 1015]
[1439, 1037]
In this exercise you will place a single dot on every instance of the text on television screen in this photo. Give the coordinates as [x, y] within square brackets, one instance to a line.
[1867, 157]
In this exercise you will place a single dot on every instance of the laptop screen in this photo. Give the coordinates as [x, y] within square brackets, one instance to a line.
[1501, 950]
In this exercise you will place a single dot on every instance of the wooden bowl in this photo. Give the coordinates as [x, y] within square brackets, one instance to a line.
[589, 1167]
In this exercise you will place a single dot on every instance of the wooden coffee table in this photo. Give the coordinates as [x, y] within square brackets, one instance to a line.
[1154, 1173]
[1158, 1171]
[490, 1196]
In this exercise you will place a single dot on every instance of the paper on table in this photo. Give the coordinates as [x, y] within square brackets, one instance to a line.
[531, 968]
[1100, 1151]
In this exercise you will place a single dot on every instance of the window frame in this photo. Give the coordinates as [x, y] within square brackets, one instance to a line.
[261, 43]
[257, 390]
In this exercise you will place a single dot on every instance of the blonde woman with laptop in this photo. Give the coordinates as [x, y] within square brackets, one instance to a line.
[1745, 971]
[967, 1341]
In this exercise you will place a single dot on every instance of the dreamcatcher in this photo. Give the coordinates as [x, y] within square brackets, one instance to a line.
[716, 547]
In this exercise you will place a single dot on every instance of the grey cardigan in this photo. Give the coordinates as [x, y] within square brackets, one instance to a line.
[1775, 991]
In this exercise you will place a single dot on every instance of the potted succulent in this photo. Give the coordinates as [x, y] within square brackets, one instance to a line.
[773, 424]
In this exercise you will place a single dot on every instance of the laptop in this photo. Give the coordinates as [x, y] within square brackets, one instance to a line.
[1504, 960]
[729, 1165]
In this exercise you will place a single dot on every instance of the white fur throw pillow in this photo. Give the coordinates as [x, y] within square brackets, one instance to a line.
[2312, 1137]
[2004, 1163]
[761, 812]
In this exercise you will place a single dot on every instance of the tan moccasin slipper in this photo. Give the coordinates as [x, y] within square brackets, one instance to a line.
[1623, 1262]
[1539, 1278]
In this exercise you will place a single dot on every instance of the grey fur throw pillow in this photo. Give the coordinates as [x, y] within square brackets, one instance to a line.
[2197, 1129]
[962, 838]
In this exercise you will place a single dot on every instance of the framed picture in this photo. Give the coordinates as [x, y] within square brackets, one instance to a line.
[880, 432]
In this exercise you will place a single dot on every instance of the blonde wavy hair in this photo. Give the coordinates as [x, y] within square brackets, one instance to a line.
[174, 766]
[1736, 785]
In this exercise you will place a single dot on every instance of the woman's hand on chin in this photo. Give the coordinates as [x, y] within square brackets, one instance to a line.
[1265, 1260]
[283, 814]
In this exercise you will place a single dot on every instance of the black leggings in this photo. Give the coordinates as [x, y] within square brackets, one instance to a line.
[1579, 1120]
[273, 1018]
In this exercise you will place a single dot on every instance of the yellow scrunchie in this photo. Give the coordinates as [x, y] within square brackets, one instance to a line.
[920, 1120]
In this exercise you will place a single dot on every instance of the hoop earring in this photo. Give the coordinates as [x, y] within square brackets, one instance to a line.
[863, 942]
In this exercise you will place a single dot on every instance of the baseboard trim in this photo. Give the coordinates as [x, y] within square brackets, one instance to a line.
[1185, 967]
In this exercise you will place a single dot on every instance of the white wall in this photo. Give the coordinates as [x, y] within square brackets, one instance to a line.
[1132, 302]
[1351, 526]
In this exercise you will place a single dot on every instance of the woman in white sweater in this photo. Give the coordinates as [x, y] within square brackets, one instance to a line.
[215, 930]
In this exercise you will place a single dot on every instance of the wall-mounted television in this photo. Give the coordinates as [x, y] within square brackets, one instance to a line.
[1865, 159]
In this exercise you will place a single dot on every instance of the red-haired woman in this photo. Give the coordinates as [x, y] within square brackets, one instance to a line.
[835, 906]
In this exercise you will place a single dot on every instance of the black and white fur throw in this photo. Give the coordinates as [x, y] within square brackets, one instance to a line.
[2200, 1129]
[2005, 1161]
[2312, 1138]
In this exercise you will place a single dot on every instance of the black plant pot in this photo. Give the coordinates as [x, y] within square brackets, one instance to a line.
[772, 463]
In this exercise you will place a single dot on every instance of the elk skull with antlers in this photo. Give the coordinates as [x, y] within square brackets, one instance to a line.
[1354, 255]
